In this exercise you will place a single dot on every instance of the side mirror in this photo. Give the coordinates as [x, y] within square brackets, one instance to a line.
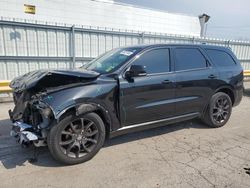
[135, 71]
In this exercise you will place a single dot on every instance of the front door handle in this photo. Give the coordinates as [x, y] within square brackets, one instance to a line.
[212, 76]
[166, 82]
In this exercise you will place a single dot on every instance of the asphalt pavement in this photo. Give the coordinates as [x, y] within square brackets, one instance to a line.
[187, 154]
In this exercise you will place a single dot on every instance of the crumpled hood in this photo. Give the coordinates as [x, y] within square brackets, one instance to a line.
[31, 79]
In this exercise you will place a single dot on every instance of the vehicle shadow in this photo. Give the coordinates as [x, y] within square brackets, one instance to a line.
[13, 155]
[4, 127]
[246, 92]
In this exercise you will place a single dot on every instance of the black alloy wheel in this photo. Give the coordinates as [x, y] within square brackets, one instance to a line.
[79, 137]
[218, 111]
[76, 139]
[221, 109]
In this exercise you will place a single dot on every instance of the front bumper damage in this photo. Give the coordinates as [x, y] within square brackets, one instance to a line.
[31, 126]
[22, 132]
[26, 136]
[33, 114]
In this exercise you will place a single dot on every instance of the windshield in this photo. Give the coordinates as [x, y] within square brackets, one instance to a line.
[111, 60]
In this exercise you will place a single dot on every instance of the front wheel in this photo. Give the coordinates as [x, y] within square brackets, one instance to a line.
[76, 139]
[218, 111]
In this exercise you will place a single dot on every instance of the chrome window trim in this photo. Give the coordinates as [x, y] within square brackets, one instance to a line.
[197, 69]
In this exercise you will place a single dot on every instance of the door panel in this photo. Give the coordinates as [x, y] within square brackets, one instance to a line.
[193, 90]
[194, 80]
[147, 98]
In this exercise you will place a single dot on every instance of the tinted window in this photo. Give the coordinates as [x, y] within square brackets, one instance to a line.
[220, 58]
[111, 60]
[189, 59]
[154, 61]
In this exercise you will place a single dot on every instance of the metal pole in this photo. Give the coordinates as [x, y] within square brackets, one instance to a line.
[193, 40]
[205, 34]
[142, 37]
[73, 47]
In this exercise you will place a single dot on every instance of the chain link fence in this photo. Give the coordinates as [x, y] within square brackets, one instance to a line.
[31, 45]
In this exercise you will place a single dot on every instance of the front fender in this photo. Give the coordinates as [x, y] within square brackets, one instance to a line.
[84, 99]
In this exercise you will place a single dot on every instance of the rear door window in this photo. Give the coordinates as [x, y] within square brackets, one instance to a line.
[220, 58]
[189, 58]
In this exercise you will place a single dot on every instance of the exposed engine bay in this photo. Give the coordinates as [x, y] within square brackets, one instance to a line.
[30, 119]
[32, 115]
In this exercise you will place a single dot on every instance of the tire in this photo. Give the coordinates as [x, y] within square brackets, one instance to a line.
[218, 111]
[76, 139]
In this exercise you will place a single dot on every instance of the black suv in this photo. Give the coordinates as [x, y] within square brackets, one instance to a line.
[130, 88]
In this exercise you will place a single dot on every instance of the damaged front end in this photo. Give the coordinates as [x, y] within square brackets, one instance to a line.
[31, 120]
[32, 117]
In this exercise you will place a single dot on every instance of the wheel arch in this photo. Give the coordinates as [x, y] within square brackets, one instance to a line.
[225, 89]
[85, 108]
[228, 90]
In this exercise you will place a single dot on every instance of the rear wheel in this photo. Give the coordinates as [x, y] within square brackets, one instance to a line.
[76, 139]
[219, 110]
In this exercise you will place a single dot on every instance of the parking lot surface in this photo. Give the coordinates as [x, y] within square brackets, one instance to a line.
[187, 154]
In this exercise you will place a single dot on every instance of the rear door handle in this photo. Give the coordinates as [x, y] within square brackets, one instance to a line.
[166, 82]
[211, 76]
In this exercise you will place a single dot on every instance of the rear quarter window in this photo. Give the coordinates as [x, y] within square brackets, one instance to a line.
[220, 58]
